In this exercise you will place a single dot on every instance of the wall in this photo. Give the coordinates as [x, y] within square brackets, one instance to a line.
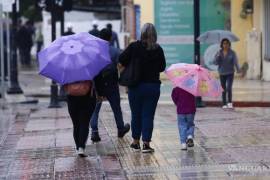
[147, 10]
[240, 27]
[81, 22]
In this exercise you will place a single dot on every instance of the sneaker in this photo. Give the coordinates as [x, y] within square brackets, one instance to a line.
[95, 136]
[230, 105]
[122, 132]
[147, 148]
[81, 152]
[183, 146]
[136, 147]
[224, 107]
[190, 142]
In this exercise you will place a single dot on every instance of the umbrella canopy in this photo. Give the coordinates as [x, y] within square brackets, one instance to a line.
[194, 79]
[215, 36]
[74, 58]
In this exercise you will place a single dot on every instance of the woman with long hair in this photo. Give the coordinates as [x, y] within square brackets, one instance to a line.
[227, 61]
[144, 96]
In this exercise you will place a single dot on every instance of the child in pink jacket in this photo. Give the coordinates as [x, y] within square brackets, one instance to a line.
[186, 108]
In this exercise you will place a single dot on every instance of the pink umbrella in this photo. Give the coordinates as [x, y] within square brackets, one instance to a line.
[194, 79]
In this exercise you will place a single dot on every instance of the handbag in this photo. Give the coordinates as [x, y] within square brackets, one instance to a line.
[78, 88]
[131, 74]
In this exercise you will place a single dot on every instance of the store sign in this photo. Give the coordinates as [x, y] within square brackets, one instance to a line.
[174, 23]
[175, 26]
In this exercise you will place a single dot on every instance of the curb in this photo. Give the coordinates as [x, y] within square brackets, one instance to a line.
[239, 104]
[207, 103]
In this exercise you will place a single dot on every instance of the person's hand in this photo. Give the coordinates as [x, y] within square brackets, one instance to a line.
[120, 67]
[101, 98]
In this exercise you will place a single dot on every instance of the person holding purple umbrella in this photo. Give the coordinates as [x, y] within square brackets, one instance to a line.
[81, 108]
[74, 61]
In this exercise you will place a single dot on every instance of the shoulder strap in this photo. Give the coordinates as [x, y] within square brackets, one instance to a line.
[93, 87]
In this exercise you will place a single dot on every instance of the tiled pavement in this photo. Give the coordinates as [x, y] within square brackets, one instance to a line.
[36, 143]
[39, 145]
[229, 145]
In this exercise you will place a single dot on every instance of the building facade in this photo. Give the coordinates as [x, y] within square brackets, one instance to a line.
[175, 24]
[251, 25]
[254, 31]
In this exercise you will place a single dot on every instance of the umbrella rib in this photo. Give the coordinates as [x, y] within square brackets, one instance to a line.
[65, 67]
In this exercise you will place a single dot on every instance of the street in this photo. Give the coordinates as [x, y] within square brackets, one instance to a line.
[229, 144]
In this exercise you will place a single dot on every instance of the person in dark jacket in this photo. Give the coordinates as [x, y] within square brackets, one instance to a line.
[186, 108]
[107, 86]
[24, 39]
[81, 108]
[69, 30]
[227, 61]
[94, 31]
[114, 40]
[144, 96]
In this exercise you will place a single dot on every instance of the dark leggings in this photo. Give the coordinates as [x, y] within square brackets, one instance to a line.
[226, 83]
[81, 109]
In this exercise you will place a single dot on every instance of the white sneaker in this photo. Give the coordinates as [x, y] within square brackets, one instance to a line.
[230, 105]
[224, 107]
[81, 152]
[183, 146]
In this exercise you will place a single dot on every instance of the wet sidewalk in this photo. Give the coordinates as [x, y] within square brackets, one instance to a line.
[38, 143]
[228, 145]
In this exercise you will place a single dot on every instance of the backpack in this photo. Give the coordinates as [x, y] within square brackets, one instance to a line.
[80, 88]
[106, 79]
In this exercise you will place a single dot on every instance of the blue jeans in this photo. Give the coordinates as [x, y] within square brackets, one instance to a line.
[185, 126]
[143, 101]
[226, 83]
[113, 97]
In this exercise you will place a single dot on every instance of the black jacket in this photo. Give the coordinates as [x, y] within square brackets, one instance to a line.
[152, 62]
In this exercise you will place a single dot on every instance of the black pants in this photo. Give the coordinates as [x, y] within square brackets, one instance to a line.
[226, 83]
[81, 109]
[25, 55]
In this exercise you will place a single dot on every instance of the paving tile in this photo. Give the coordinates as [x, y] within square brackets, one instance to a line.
[43, 176]
[65, 139]
[33, 154]
[33, 166]
[63, 123]
[75, 167]
[34, 142]
[250, 154]
[40, 125]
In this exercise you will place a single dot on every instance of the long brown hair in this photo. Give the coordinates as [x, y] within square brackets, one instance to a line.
[149, 36]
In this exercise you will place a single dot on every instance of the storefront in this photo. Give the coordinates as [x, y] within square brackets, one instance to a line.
[175, 26]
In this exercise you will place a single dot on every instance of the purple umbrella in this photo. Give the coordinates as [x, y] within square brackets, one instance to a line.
[74, 58]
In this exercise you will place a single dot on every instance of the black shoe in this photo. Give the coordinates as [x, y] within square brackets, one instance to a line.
[147, 148]
[95, 136]
[136, 147]
[190, 142]
[122, 132]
